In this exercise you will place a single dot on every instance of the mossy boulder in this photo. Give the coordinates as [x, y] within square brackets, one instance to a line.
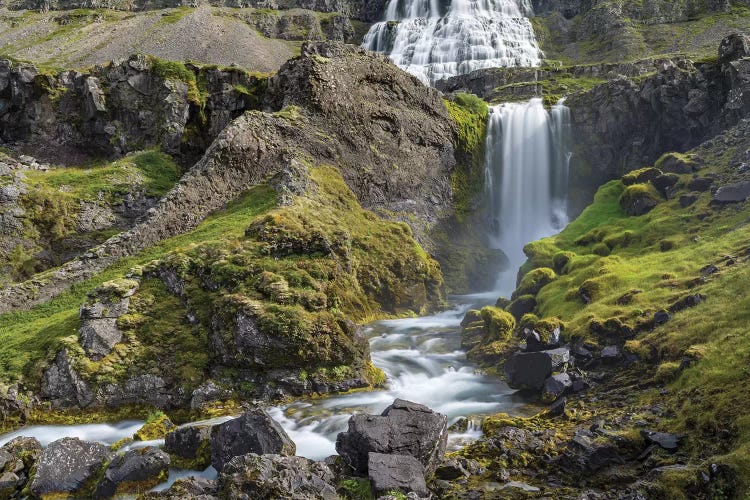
[561, 260]
[498, 324]
[639, 199]
[534, 281]
[156, 427]
[523, 305]
[679, 163]
[641, 176]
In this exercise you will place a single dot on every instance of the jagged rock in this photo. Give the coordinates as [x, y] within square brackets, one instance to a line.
[98, 331]
[190, 442]
[556, 386]
[670, 442]
[535, 343]
[135, 468]
[732, 193]
[402, 473]
[254, 432]
[63, 386]
[275, 476]
[404, 428]
[67, 465]
[733, 47]
[530, 370]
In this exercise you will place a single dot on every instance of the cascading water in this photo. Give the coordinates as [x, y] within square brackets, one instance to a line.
[526, 174]
[434, 41]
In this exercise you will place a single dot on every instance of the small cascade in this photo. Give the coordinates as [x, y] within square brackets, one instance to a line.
[526, 174]
[434, 41]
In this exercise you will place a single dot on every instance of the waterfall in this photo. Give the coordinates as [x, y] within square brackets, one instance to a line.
[434, 41]
[526, 175]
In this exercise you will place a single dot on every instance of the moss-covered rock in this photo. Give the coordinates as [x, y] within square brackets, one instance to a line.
[157, 426]
[534, 281]
[639, 199]
[521, 306]
[498, 324]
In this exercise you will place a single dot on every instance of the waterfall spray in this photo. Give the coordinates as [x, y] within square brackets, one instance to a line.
[526, 173]
[434, 43]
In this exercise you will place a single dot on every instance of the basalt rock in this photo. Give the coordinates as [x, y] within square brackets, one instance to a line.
[66, 466]
[402, 473]
[732, 193]
[530, 370]
[135, 468]
[191, 443]
[254, 432]
[404, 428]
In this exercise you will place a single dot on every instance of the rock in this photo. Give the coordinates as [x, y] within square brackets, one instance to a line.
[530, 370]
[402, 473]
[63, 386]
[191, 443]
[556, 386]
[557, 409]
[404, 428]
[611, 353]
[254, 432]
[665, 183]
[138, 468]
[207, 393]
[194, 488]
[686, 303]
[709, 270]
[732, 193]
[638, 203]
[275, 476]
[688, 199]
[98, 331]
[735, 46]
[524, 304]
[670, 442]
[661, 317]
[535, 342]
[66, 466]
[451, 470]
[701, 184]
[585, 455]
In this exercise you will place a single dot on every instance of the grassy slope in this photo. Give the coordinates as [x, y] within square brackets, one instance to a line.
[662, 254]
[695, 38]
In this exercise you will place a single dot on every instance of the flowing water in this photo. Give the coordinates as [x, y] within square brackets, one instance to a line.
[435, 40]
[526, 177]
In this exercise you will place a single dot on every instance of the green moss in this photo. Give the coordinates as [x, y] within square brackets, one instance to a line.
[498, 324]
[156, 427]
[356, 489]
[534, 281]
[638, 194]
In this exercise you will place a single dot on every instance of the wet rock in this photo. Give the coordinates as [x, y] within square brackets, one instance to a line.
[404, 428]
[254, 432]
[139, 468]
[556, 386]
[191, 443]
[530, 370]
[275, 476]
[732, 193]
[402, 473]
[670, 442]
[66, 466]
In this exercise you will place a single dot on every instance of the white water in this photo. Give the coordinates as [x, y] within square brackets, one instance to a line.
[433, 41]
[423, 362]
[526, 176]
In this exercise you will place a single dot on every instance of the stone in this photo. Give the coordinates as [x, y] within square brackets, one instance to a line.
[610, 353]
[661, 317]
[556, 386]
[701, 184]
[732, 193]
[733, 47]
[142, 467]
[686, 303]
[254, 432]
[528, 371]
[190, 442]
[276, 476]
[665, 183]
[402, 473]
[207, 393]
[688, 199]
[98, 331]
[194, 488]
[557, 409]
[63, 386]
[670, 442]
[67, 465]
[451, 470]
[404, 428]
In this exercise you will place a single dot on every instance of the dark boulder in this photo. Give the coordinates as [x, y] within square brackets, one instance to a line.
[141, 468]
[688, 199]
[402, 473]
[733, 193]
[585, 455]
[254, 432]
[404, 428]
[529, 370]
[686, 303]
[276, 476]
[556, 386]
[701, 184]
[524, 304]
[661, 317]
[557, 409]
[666, 183]
[66, 466]
[611, 353]
[457, 468]
[190, 443]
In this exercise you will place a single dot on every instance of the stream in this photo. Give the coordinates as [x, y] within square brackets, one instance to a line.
[423, 362]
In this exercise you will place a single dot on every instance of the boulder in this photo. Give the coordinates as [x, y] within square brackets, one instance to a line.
[276, 476]
[402, 473]
[732, 193]
[701, 184]
[530, 370]
[190, 443]
[141, 468]
[670, 442]
[666, 183]
[66, 466]
[688, 199]
[661, 317]
[585, 455]
[611, 353]
[686, 303]
[194, 488]
[557, 409]
[404, 428]
[63, 385]
[556, 386]
[254, 432]
[98, 331]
